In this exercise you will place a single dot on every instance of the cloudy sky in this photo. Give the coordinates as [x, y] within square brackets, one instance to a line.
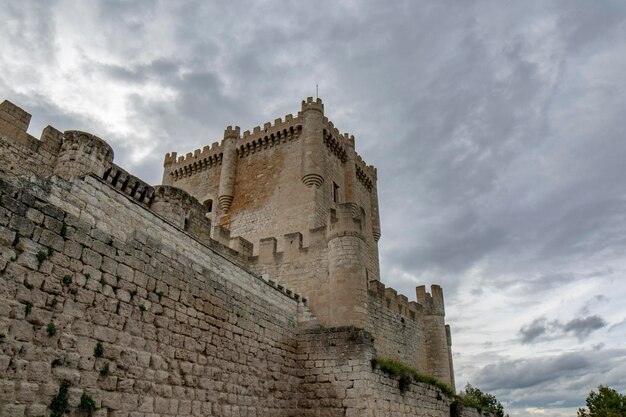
[498, 129]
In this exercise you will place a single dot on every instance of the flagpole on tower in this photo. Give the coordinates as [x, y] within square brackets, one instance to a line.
[317, 91]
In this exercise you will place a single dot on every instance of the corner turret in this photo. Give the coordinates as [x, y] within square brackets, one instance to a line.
[436, 334]
[346, 267]
[312, 142]
[83, 153]
[229, 168]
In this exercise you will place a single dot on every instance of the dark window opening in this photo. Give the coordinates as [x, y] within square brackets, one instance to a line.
[335, 193]
[209, 205]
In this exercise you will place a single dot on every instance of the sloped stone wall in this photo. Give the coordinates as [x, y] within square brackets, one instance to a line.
[182, 331]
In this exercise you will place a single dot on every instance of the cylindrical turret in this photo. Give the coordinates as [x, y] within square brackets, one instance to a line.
[436, 334]
[346, 269]
[229, 168]
[312, 142]
[82, 153]
[374, 207]
[170, 159]
[349, 171]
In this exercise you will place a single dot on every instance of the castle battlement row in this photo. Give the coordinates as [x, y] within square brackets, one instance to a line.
[290, 202]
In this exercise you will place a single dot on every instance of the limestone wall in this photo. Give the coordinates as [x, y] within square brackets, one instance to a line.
[183, 331]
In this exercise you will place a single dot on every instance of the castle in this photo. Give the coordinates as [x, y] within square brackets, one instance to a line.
[247, 284]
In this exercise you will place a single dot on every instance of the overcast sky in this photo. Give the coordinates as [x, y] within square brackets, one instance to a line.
[497, 127]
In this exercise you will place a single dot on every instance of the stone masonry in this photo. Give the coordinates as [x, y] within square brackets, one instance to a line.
[193, 298]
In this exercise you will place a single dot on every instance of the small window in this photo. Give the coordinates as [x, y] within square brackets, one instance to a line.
[335, 193]
[209, 205]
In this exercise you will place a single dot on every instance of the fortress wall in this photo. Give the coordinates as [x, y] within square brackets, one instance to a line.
[184, 331]
[397, 336]
[298, 267]
[337, 365]
[21, 153]
[339, 381]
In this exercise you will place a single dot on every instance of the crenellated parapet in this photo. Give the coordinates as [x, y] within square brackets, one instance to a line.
[346, 220]
[269, 135]
[178, 167]
[209, 157]
[129, 184]
[432, 302]
[397, 303]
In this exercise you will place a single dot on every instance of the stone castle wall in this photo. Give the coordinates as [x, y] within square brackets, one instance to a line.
[187, 325]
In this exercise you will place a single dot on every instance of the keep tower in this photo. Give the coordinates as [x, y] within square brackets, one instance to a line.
[297, 194]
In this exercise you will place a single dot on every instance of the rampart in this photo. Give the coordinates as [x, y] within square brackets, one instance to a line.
[128, 292]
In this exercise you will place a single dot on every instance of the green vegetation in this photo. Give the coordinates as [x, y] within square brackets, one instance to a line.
[98, 351]
[607, 402]
[67, 279]
[133, 293]
[29, 308]
[104, 371]
[88, 275]
[87, 403]
[41, 256]
[142, 307]
[60, 402]
[16, 239]
[482, 401]
[51, 329]
[54, 301]
[103, 281]
[406, 375]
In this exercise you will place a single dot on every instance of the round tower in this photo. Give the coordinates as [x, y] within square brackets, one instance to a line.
[436, 335]
[229, 168]
[312, 142]
[82, 153]
[347, 304]
[350, 171]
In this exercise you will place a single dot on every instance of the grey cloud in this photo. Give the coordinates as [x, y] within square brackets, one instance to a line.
[544, 381]
[529, 372]
[533, 330]
[581, 328]
[542, 329]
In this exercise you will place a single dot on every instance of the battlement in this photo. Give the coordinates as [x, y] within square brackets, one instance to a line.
[433, 301]
[346, 220]
[270, 134]
[129, 184]
[310, 104]
[398, 303]
[232, 132]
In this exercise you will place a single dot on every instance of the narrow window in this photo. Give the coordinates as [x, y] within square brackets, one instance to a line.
[209, 205]
[335, 193]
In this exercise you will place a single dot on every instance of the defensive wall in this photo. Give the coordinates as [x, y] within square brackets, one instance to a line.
[117, 287]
